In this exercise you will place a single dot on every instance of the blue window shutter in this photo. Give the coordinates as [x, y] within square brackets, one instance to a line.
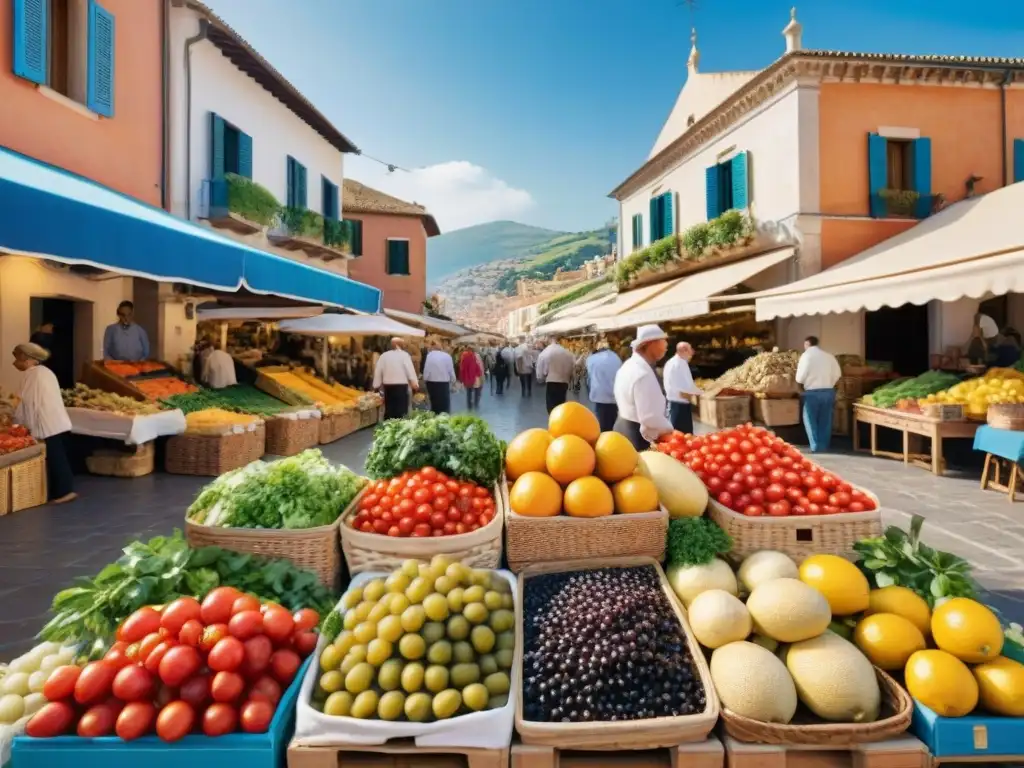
[30, 27]
[290, 194]
[330, 201]
[244, 155]
[668, 218]
[740, 182]
[100, 80]
[300, 185]
[357, 237]
[711, 191]
[655, 224]
[922, 166]
[878, 173]
[1018, 160]
[217, 164]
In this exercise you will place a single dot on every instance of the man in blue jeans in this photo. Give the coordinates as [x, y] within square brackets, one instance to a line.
[817, 372]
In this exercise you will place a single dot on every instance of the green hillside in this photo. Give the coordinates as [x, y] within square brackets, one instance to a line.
[494, 241]
[566, 252]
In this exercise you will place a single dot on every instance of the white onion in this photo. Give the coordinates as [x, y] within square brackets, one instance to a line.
[37, 680]
[12, 707]
[33, 703]
[15, 683]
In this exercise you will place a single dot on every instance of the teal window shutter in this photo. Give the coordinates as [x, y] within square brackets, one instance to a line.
[711, 192]
[398, 257]
[355, 228]
[100, 78]
[289, 198]
[330, 199]
[668, 218]
[655, 224]
[740, 182]
[878, 174]
[638, 230]
[244, 155]
[29, 39]
[300, 186]
[217, 163]
[1018, 160]
[922, 168]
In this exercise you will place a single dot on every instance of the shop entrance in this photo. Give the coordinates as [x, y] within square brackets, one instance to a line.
[61, 313]
[900, 335]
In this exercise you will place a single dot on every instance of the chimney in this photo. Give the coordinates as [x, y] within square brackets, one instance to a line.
[694, 61]
[793, 33]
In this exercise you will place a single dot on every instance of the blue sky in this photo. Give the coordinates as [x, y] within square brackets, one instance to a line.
[533, 110]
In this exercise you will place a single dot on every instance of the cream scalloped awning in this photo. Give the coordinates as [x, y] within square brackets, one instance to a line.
[586, 315]
[971, 249]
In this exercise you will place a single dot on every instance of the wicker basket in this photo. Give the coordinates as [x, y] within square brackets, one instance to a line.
[537, 540]
[287, 437]
[337, 425]
[119, 464]
[266, 384]
[367, 417]
[314, 549]
[374, 552]
[213, 455]
[28, 483]
[798, 536]
[637, 734]
[1006, 416]
[5, 491]
[806, 730]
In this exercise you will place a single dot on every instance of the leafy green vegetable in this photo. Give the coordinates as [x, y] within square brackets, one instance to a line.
[901, 559]
[165, 568]
[331, 626]
[242, 398]
[927, 383]
[303, 491]
[462, 446]
[696, 541]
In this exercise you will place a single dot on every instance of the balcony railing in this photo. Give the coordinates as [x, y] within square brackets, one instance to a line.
[302, 229]
[904, 203]
[237, 203]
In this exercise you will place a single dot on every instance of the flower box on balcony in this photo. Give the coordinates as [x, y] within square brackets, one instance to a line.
[239, 204]
[906, 203]
[300, 229]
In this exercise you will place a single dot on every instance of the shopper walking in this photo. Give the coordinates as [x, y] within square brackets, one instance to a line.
[438, 377]
[525, 366]
[395, 375]
[602, 366]
[490, 355]
[679, 386]
[638, 394]
[554, 369]
[817, 372]
[503, 366]
[42, 412]
[471, 374]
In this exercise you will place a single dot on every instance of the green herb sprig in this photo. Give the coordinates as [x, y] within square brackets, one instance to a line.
[696, 541]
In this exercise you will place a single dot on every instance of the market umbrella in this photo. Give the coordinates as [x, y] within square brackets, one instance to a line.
[349, 325]
[479, 338]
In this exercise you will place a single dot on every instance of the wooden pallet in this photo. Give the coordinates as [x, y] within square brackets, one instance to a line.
[905, 752]
[400, 753]
[704, 754]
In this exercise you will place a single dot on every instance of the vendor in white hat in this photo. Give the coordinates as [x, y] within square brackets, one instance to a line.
[638, 394]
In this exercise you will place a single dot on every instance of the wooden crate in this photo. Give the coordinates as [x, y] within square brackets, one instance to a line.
[774, 412]
[906, 752]
[842, 415]
[704, 754]
[724, 412]
[402, 753]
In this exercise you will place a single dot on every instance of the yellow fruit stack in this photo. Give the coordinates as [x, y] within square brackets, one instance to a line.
[573, 467]
[998, 386]
[216, 421]
[331, 398]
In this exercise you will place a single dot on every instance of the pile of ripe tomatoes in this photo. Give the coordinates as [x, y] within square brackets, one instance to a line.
[750, 470]
[214, 667]
[14, 438]
[423, 503]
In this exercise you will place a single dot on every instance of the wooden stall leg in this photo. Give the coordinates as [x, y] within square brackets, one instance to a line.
[1012, 485]
[984, 471]
[702, 754]
[874, 440]
[534, 756]
[906, 448]
[936, 454]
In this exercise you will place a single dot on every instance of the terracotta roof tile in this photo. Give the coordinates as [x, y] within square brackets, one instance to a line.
[356, 197]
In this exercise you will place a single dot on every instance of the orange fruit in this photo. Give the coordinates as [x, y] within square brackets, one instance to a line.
[616, 457]
[588, 497]
[968, 630]
[535, 494]
[635, 494]
[526, 453]
[568, 458]
[571, 418]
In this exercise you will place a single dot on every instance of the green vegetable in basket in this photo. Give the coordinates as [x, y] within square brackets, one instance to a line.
[695, 541]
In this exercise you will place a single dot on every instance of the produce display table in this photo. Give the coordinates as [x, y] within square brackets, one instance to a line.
[910, 424]
[129, 429]
[1000, 445]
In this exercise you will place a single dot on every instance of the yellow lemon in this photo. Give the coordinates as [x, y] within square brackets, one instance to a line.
[941, 682]
[839, 580]
[526, 453]
[1001, 686]
[888, 640]
[635, 494]
[903, 602]
[968, 630]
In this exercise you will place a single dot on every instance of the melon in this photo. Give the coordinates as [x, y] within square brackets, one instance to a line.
[688, 581]
[681, 492]
[717, 618]
[788, 610]
[751, 682]
[834, 679]
[766, 565]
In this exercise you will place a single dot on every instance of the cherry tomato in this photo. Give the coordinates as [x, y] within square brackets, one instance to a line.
[191, 633]
[278, 624]
[828, 509]
[441, 504]
[177, 612]
[141, 623]
[305, 643]
[306, 619]
[61, 683]
[840, 499]
[135, 720]
[118, 654]
[449, 528]
[438, 519]
[284, 663]
[856, 506]
[753, 510]
[211, 636]
[134, 683]
[774, 492]
[257, 655]
[179, 664]
[227, 655]
[725, 499]
[255, 716]
[817, 494]
[405, 525]
[778, 508]
[794, 494]
[196, 690]
[53, 719]
[714, 484]
[227, 687]
[459, 528]
[421, 529]
[94, 683]
[175, 721]
[216, 607]
[735, 488]
[394, 531]
[422, 496]
[219, 719]
[245, 603]
[267, 689]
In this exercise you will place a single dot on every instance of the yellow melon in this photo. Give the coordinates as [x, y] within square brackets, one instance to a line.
[616, 457]
[569, 458]
[588, 497]
[571, 418]
[535, 494]
[968, 630]
[635, 494]
[526, 453]
[941, 682]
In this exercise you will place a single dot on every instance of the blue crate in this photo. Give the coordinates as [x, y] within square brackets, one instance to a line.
[252, 750]
[972, 736]
[1013, 651]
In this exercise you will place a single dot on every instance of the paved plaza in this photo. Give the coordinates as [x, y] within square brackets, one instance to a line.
[42, 550]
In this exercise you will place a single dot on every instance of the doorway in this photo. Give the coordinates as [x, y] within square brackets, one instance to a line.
[898, 335]
[61, 313]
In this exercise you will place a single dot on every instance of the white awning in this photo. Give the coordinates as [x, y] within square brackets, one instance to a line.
[972, 248]
[691, 295]
[257, 313]
[349, 325]
[568, 319]
[586, 315]
[432, 324]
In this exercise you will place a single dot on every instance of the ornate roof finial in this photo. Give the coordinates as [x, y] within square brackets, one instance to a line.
[694, 61]
[793, 32]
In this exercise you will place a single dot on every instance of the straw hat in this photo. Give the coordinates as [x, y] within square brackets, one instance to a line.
[33, 352]
[646, 334]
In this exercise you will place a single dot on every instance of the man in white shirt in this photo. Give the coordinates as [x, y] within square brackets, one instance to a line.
[219, 369]
[525, 364]
[638, 394]
[817, 372]
[439, 375]
[679, 386]
[554, 369]
[602, 366]
[394, 374]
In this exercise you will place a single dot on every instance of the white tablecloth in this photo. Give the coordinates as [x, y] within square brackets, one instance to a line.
[133, 430]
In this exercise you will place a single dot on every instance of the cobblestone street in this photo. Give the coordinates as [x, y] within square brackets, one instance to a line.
[42, 550]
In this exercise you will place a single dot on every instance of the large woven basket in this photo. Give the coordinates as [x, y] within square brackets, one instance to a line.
[28, 483]
[337, 425]
[806, 730]
[537, 540]
[1006, 416]
[213, 455]
[314, 549]
[655, 733]
[287, 437]
[5, 491]
[120, 464]
[374, 552]
[798, 536]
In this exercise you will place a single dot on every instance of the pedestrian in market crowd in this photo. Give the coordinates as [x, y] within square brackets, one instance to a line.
[638, 394]
[125, 340]
[42, 412]
[554, 368]
[679, 386]
[439, 375]
[602, 366]
[817, 372]
[503, 366]
[471, 375]
[218, 368]
[395, 375]
[489, 355]
[525, 366]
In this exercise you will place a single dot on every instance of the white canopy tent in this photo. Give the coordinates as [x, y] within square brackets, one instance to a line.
[349, 325]
[480, 337]
[257, 313]
[431, 324]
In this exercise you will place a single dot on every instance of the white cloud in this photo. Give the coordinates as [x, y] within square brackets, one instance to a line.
[458, 193]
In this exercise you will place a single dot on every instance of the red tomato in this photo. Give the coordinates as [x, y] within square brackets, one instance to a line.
[438, 489]
[454, 515]
[211, 636]
[284, 663]
[380, 526]
[714, 484]
[840, 499]
[179, 611]
[828, 509]
[118, 654]
[257, 655]
[305, 643]
[751, 482]
[406, 507]
[422, 496]
[53, 719]
[753, 510]
[394, 531]
[421, 529]
[61, 683]
[245, 603]
[406, 525]
[134, 683]
[306, 619]
[735, 488]
[438, 519]
[175, 721]
[141, 623]
[828, 481]
[227, 687]
[135, 720]
[267, 689]
[196, 690]
[94, 683]
[812, 480]
[246, 624]
[255, 716]
[777, 475]
[757, 495]
[856, 506]
[794, 494]
[191, 633]
[278, 624]
[459, 528]
[440, 504]
[779, 508]
[742, 501]
[165, 695]
[149, 642]
[449, 528]
[818, 495]
[179, 664]
[774, 492]
[216, 607]
[227, 655]
[219, 719]
[725, 499]
[813, 509]
[157, 655]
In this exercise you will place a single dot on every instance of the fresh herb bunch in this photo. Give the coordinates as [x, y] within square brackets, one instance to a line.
[165, 568]
[898, 558]
[696, 541]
